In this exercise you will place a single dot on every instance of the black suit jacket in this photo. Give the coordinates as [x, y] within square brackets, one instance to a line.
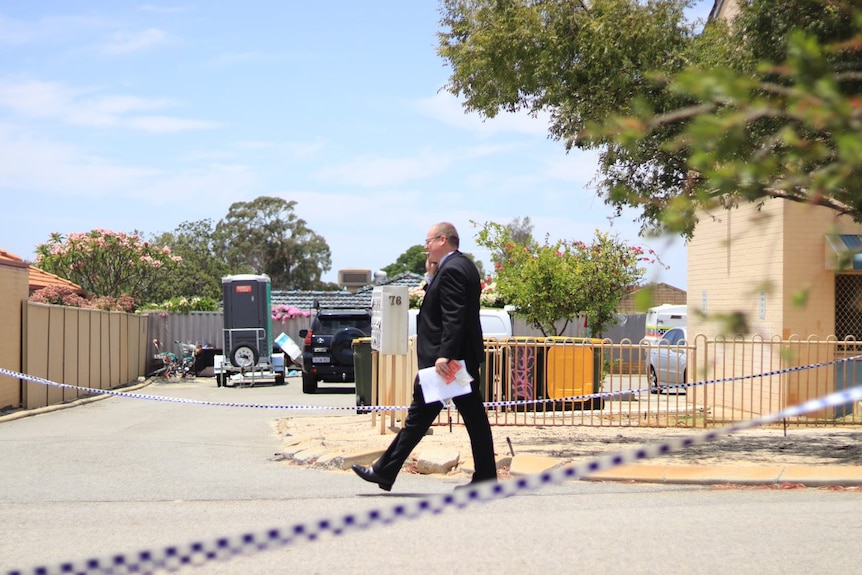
[448, 322]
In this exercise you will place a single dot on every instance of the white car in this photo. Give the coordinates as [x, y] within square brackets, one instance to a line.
[668, 362]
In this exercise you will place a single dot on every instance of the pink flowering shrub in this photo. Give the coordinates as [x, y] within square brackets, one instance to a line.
[64, 295]
[282, 313]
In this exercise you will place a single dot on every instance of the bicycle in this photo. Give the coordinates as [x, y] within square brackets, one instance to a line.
[187, 359]
[174, 367]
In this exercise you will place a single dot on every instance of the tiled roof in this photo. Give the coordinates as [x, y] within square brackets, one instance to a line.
[10, 259]
[41, 279]
[361, 298]
[38, 279]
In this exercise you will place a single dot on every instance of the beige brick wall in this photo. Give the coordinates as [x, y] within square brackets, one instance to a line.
[13, 292]
[735, 265]
[758, 262]
[806, 246]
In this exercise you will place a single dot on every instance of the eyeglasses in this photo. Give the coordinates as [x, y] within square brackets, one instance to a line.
[431, 239]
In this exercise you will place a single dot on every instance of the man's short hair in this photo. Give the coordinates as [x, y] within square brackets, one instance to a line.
[448, 230]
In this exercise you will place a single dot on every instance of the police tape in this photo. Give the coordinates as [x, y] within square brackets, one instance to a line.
[386, 408]
[198, 553]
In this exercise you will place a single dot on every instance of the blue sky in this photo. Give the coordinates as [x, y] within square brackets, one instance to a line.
[140, 116]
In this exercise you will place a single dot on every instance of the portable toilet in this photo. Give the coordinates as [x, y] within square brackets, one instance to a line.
[247, 319]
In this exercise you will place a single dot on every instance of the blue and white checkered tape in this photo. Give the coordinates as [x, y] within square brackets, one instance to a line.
[175, 557]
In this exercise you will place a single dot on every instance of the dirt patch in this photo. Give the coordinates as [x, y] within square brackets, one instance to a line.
[759, 446]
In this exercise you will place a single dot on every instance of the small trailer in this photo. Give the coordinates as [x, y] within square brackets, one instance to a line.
[252, 356]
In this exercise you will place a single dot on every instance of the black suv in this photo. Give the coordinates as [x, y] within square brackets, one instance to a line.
[327, 353]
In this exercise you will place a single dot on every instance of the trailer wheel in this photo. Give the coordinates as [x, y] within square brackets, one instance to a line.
[279, 379]
[244, 356]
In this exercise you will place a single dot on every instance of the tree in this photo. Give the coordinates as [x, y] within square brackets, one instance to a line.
[628, 78]
[412, 260]
[108, 264]
[551, 283]
[201, 271]
[265, 236]
[790, 128]
[582, 62]
[520, 232]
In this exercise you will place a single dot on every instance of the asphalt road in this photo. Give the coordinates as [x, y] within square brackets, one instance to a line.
[121, 475]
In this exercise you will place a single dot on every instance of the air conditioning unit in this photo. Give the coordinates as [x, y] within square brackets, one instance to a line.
[354, 278]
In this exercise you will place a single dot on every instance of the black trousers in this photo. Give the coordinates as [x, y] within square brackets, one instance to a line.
[420, 416]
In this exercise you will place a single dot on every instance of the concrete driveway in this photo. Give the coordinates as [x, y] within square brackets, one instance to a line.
[118, 476]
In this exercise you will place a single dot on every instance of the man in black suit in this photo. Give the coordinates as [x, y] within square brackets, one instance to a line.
[447, 327]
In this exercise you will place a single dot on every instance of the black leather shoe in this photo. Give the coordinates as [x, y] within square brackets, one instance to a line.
[368, 474]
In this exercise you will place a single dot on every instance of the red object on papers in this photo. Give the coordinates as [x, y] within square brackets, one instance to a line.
[454, 368]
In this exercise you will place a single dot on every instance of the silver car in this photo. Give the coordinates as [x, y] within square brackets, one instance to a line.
[668, 362]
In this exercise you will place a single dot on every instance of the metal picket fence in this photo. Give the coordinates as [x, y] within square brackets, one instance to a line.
[707, 382]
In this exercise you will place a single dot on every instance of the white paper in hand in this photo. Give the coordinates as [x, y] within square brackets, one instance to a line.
[435, 388]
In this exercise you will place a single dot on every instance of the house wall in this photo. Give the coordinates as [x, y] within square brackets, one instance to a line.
[736, 266]
[726, 9]
[806, 248]
[757, 263]
[767, 264]
[13, 294]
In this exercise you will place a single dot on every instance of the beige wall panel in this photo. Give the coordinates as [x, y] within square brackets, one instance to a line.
[13, 294]
[103, 318]
[84, 346]
[70, 352]
[123, 340]
[56, 349]
[37, 323]
[95, 351]
[114, 349]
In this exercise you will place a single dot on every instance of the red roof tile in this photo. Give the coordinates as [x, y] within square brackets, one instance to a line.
[38, 278]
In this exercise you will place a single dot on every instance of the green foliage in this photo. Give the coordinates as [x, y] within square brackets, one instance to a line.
[766, 107]
[265, 236]
[201, 272]
[184, 305]
[412, 260]
[582, 63]
[787, 127]
[182, 270]
[551, 283]
[791, 130]
[108, 264]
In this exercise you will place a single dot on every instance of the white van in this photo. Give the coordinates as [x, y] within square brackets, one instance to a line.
[661, 318]
[496, 323]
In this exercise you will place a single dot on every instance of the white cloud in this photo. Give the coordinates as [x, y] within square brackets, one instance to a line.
[50, 167]
[48, 30]
[380, 171]
[128, 42]
[87, 108]
[166, 124]
[444, 107]
[247, 57]
[162, 9]
[38, 165]
[201, 190]
[298, 150]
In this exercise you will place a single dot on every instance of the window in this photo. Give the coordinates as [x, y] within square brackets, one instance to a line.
[848, 306]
